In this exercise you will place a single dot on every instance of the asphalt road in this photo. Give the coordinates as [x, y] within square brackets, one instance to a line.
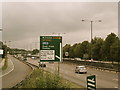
[105, 79]
[18, 74]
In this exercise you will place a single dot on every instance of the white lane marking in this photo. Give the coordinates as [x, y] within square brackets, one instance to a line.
[115, 79]
[73, 69]
[10, 70]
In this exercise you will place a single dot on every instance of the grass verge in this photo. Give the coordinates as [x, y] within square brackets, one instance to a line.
[5, 64]
[44, 79]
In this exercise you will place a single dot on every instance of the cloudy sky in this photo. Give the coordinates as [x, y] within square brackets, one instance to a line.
[24, 22]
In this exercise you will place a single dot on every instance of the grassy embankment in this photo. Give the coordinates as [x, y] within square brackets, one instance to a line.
[44, 79]
[5, 64]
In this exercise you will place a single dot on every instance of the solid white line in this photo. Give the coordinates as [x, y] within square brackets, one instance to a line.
[115, 79]
[10, 70]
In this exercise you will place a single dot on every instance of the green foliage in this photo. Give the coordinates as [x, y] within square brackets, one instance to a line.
[84, 48]
[105, 50]
[77, 51]
[115, 50]
[66, 48]
[44, 79]
[97, 48]
[35, 51]
[110, 39]
[4, 47]
[5, 64]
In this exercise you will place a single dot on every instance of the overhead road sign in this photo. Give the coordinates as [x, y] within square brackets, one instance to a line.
[50, 48]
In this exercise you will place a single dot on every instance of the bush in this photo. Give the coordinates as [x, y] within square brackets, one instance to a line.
[44, 79]
[5, 64]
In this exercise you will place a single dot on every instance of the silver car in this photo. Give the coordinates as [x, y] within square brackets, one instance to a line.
[80, 69]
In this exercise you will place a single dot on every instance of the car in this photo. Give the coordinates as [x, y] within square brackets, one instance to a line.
[24, 59]
[80, 69]
[42, 64]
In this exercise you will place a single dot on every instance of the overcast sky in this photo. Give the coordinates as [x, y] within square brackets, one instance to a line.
[24, 22]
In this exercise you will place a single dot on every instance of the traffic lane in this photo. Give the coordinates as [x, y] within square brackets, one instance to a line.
[9, 68]
[18, 74]
[104, 79]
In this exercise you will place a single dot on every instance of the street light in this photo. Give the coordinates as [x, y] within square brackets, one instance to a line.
[58, 33]
[91, 23]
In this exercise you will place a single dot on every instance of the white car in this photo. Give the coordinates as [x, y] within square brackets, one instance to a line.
[80, 69]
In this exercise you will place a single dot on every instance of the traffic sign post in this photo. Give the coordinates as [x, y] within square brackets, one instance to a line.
[50, 48]
[91, 82]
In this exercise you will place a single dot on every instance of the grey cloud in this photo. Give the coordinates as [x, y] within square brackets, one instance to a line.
[27, 20]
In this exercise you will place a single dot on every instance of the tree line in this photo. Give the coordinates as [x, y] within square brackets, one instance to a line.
[97, 49]
[15, 51]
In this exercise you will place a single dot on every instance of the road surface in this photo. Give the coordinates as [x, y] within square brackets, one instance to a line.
[105, 79]
[19, 72]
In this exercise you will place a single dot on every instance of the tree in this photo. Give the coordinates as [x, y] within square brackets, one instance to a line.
[35, 51]
[84, 48]
[66, 48]
[115, 50]
[71, 52]
[96, 48]
[77, 50]
[4, 47]
[110, 39]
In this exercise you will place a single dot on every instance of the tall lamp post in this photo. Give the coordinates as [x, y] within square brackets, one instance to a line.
[91, 29]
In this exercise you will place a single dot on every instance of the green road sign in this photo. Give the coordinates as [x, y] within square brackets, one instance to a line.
[50, 48]
[91, 82]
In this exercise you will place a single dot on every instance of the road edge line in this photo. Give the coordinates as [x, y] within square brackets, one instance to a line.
[10, 70]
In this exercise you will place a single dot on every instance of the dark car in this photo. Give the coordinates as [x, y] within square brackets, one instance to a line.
[42, 64]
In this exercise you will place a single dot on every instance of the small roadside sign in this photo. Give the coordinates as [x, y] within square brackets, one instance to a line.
[91, 82]
[66, 54]
[50, 48]
[1, 52]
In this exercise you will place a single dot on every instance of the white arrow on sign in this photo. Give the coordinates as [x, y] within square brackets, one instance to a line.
[91, 84]
[91, 80]
[60, 53]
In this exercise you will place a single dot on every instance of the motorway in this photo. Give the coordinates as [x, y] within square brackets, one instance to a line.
[17, 74]
[105, 79]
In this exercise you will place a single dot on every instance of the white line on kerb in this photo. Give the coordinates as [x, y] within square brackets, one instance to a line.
[10, 70]
[115, 79]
